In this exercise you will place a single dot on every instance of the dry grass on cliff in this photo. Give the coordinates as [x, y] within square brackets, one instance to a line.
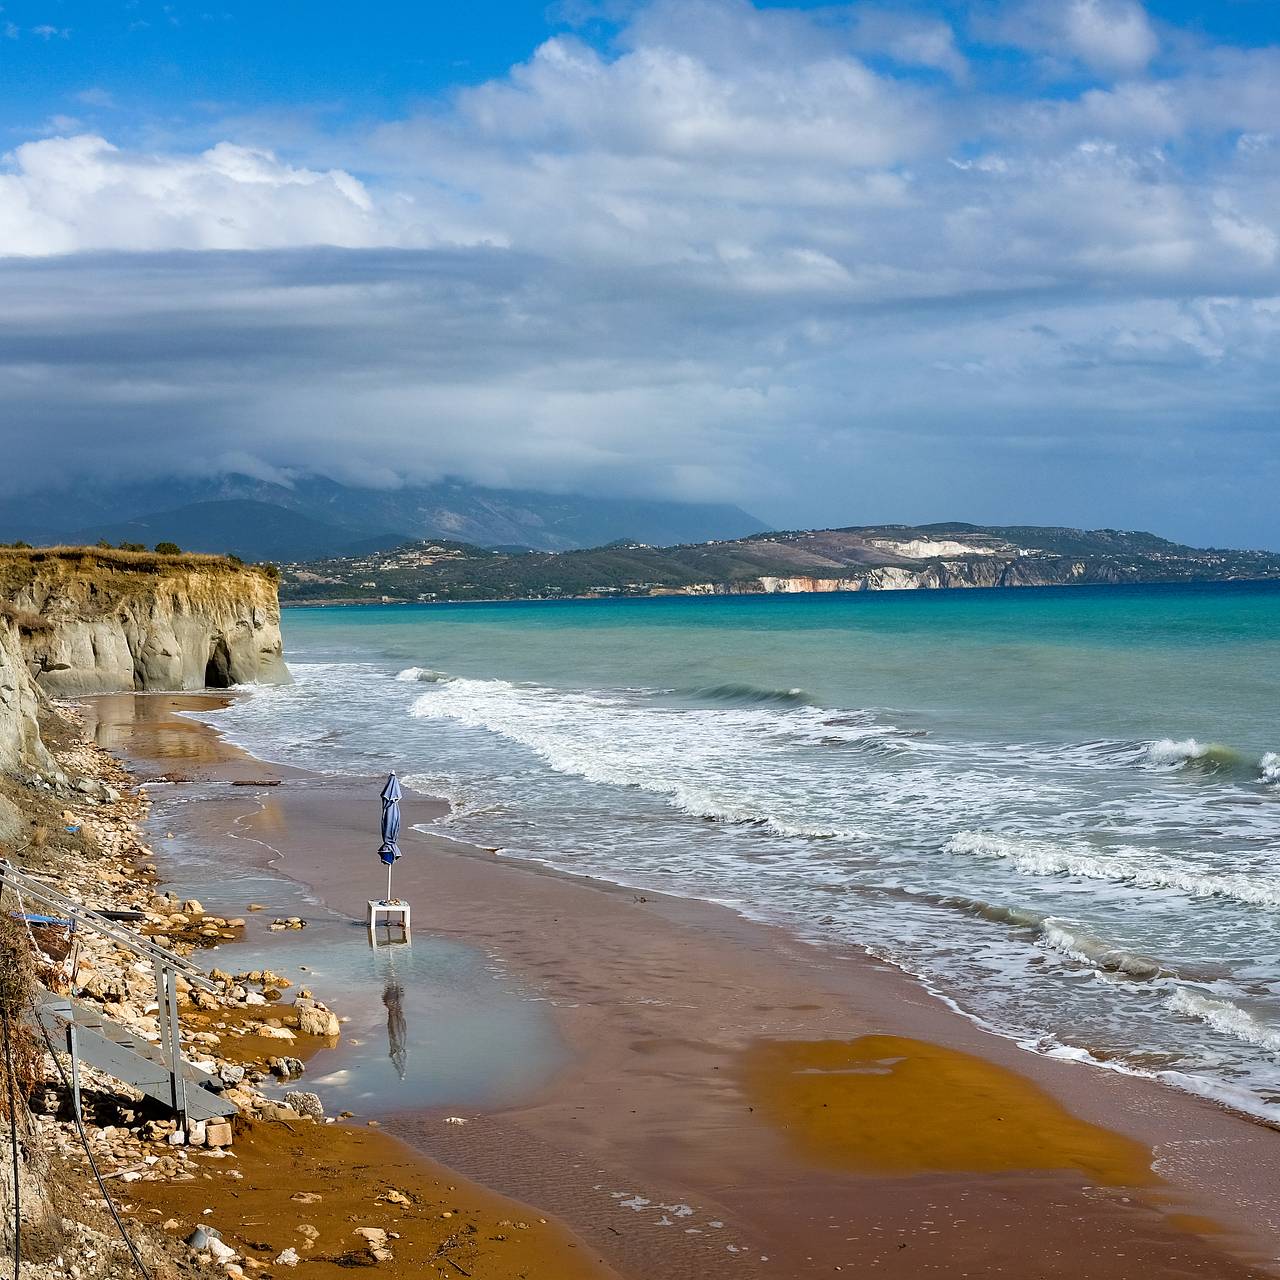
[17, 563]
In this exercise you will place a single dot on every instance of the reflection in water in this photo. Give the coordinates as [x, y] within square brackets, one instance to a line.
[397, 1027]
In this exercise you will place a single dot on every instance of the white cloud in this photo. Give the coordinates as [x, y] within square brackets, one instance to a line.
[65, 194]
[1111, 36]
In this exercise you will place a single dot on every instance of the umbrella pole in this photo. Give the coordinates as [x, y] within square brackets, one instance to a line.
[389, 866]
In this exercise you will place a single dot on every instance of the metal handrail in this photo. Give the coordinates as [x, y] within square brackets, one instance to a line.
[25, 886]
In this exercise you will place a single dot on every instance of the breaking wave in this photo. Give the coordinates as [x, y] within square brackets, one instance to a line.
[1044, 858]
[1066, 939]
[1228, 1018]
[749, 695]
[1098, 953]
[1210, 757]
[420, 675]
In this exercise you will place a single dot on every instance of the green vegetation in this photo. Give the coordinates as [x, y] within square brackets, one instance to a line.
[168, 549]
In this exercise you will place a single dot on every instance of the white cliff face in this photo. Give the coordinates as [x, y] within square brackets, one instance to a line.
[932, 549]
[21, 750]
[112, 627]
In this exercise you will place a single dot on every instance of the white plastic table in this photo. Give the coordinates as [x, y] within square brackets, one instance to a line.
[391, 914]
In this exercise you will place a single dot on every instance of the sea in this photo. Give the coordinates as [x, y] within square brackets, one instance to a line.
[1059, 808]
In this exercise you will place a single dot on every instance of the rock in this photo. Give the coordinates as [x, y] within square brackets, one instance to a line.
[376, 1241]
[231, 1073]
[276, 1033]
[218, 1133]
[222, 1253]
[396, 1197]
[306, 1197]
[196, 1133]
[305, 1103]
[289, 1258]
[315, 1021]
[201, 1236]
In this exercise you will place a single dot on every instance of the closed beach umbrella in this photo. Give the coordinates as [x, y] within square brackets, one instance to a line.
[390, 851]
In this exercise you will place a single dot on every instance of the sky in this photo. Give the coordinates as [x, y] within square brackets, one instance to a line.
[1008, 261]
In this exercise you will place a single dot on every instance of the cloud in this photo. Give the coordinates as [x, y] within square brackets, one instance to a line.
[1111, 36]
[96, 97]
[831, 264]
[76, 193]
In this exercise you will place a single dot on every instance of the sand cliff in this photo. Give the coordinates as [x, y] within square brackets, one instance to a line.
[105, 621]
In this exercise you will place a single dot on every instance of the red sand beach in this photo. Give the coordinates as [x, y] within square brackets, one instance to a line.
[737, 1102]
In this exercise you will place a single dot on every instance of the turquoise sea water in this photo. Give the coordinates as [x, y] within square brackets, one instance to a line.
[1059, 807]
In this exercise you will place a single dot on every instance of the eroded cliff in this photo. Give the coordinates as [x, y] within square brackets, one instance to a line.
[21, 749]
[110, 620]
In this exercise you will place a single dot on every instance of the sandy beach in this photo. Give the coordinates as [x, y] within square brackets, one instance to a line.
[729, 1100]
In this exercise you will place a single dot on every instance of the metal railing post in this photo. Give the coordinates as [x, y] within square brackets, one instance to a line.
[73, 1050]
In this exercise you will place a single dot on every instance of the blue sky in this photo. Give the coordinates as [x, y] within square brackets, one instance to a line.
[1010, 260]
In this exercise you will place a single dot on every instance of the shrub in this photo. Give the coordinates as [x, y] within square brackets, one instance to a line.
[168, 549]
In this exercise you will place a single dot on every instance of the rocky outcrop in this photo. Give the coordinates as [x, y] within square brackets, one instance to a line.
[114, 621]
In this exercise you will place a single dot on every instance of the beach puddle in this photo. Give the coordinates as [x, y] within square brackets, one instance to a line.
[893, 1106]
[430, 1023]
[147, 726]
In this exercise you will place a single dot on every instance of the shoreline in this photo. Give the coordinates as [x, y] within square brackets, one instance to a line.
[630, 1036]
[354, 1194]
[346, 602]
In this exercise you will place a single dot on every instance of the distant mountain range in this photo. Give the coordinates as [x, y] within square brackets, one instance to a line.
[864, 558]
[314, 517]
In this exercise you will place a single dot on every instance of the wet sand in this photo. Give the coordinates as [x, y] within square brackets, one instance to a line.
[310, 1188]
[738, 1102]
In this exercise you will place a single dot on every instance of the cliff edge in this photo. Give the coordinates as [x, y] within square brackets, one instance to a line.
[98, 621]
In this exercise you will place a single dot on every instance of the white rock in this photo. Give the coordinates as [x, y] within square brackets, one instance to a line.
[222, 1253]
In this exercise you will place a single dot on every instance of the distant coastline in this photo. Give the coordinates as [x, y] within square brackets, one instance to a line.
[860, 558]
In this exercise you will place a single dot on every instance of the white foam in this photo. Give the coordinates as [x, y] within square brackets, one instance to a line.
[416, 675]
[1135, 867]
[1228, 1018]
[1087, 948]
[1175, 751]
[1269, 767]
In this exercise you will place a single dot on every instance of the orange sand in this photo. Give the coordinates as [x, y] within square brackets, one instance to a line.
[893, 1106]
[334, 1179]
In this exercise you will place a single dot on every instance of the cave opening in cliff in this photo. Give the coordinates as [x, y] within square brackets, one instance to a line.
[217, 671]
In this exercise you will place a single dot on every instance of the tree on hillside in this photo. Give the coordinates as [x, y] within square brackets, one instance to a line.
[168, 549]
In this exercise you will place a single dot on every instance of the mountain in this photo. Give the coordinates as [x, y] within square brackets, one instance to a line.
[451, 509]
[241, 527]
[862, 558]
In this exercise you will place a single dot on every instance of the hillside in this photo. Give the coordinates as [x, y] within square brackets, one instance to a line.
[241, 527]
[871, 557]
[314, 516]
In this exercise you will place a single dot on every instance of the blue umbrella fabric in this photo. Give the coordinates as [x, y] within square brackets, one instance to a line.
[390, 851]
